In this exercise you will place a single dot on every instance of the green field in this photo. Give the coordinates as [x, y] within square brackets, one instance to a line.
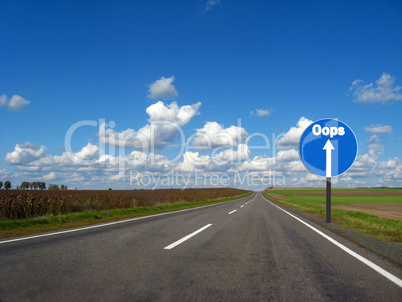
[348, 199]
[312, 201]
[334, 190]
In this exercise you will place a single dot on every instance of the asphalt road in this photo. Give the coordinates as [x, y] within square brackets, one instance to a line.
[256, 253]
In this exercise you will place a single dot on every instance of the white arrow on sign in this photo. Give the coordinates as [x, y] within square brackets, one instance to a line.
[328, 147]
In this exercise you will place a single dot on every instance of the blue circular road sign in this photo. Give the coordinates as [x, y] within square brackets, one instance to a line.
[328, 147]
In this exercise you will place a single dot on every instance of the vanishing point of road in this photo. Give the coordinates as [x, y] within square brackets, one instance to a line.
[243, 250]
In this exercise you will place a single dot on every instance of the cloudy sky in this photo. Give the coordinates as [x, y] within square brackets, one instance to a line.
[132, 94]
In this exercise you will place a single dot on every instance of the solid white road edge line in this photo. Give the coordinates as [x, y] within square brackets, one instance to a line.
[112, 223]
[169, 247]
[374, 266]
[232, 212]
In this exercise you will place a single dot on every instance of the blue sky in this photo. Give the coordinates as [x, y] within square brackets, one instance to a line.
[214, 62]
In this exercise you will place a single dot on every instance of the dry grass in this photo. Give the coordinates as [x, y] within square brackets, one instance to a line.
[20, 204]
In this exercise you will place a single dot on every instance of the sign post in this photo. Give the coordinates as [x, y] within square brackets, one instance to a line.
[328, 148]
[328, 200]
[328, 173]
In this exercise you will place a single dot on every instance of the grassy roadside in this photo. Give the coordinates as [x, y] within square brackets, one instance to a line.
[347, 199]
[323, 190]
[11, 228]
[369, 225]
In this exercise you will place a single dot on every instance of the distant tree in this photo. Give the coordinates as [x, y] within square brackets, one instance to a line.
[62, 187]
[110, 189]
[7, 185]
[53, 187]
[1, 184]
[24, 185]
[39, 185]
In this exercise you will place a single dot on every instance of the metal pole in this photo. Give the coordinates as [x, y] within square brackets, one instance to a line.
[328, 210]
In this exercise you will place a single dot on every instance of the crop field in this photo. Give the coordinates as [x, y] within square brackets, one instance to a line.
[385, 203]
[21, 204]
[376, 212]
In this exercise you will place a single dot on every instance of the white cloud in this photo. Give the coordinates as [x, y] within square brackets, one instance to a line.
[34, 156]
[214, 135]
[165, 124]
[111, 170]
[390, 164]
[50, 176]
[375, 148]
[70, 168]
[260, 112]
[362, 167]
[384, 92]
[291, 139]
[366, 166]
[172, 113]
[3, 100]
[230, 155]
[25, 153]
[89, 152]
[4, 174]
[16, 103]
[258, 163]
[222, 161]
[162, 89]
[288, 155]
[211, 3]
[379, 129]
[193, 161]
[48, 161]
[313, 177]
[294, 166]
[393, 177]
[374, 139]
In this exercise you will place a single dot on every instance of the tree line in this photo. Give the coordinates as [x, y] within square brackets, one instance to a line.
[32, 185]
[35, 185]
[56, 187]
[7, 185]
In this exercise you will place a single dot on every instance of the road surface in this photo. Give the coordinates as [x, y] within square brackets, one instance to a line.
[244, 250]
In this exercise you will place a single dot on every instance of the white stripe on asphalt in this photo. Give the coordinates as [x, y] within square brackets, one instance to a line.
[114, 222]
[374, 266]
[169, 247]
[242, 206]
[232, 212]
